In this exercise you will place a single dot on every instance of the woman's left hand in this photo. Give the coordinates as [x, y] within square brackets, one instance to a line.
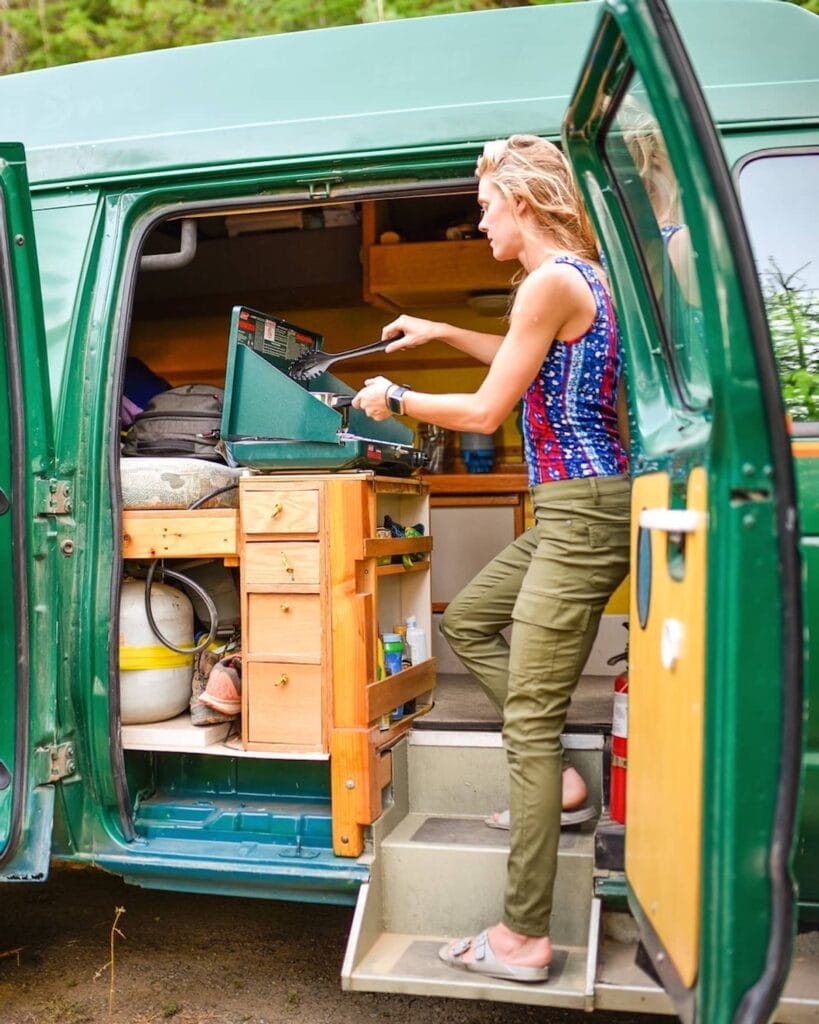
[372, 398]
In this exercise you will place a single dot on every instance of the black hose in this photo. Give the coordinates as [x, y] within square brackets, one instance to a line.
[186, 581]
[203, 594]
[211, 494]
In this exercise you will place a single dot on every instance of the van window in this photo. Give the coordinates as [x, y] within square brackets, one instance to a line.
[780, 198]
[637, 155]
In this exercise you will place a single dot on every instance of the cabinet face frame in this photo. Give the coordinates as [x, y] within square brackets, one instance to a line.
[285, 566]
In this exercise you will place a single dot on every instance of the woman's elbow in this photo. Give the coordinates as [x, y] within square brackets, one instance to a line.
[486, 421]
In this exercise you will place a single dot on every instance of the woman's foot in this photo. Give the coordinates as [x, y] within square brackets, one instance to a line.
[574, 789]
[574, 796]
[501, 953]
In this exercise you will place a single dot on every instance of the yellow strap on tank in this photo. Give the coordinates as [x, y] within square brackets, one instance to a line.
[136, 659]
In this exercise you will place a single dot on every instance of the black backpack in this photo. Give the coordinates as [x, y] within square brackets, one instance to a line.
[180, 422]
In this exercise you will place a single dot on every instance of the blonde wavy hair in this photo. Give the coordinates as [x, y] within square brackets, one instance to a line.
[645, 142]
[534, 170]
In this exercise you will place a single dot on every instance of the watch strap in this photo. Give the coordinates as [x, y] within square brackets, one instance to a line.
[394, 398]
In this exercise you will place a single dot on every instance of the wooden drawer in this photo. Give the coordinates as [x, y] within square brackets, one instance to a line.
[288, 562]
[284, 703]
[280, 510]
[284, 625]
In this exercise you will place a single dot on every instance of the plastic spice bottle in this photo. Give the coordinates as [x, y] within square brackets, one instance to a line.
[417, 641]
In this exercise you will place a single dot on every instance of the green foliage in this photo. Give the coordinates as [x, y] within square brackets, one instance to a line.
[793, 316]
[43, 33]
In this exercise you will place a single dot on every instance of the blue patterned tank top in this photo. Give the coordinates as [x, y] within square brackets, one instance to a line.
[570, 408]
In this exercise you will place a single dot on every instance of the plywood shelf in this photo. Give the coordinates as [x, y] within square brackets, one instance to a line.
[180, 533]
[434, 273]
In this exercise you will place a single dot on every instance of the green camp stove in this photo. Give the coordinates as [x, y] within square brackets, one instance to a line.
[271, 422]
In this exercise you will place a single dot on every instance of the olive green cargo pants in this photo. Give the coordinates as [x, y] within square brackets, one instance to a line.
[552, 585]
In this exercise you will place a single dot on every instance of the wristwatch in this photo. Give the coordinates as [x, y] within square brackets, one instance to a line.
[394, 397]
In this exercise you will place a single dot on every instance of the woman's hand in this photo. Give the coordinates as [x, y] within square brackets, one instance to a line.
[372, 398]
[409, 332]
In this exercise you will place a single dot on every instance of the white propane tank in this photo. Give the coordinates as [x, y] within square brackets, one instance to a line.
[155, 682]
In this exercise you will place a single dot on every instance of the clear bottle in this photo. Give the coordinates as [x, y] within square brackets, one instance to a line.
[417, 641]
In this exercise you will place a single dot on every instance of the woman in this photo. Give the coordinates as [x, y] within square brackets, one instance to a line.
[561, 353]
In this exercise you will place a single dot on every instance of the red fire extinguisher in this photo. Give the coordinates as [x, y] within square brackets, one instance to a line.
[619, 743]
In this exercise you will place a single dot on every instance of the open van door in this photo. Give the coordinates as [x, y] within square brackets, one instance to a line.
[29, 494]
[715, 688]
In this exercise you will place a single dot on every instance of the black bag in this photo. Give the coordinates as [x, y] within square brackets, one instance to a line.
[181, 422]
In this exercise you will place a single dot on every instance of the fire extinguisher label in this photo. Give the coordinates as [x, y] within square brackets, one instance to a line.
[619, 720]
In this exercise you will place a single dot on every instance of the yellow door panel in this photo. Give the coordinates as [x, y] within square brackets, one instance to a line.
[665, 721]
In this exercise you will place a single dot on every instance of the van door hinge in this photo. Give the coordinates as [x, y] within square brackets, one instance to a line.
[321, 187]
[54, 497]
[54, 763]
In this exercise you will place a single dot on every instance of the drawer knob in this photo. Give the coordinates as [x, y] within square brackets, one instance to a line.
[284, 606]
[287, 566]
[283, 680]
[278, 508]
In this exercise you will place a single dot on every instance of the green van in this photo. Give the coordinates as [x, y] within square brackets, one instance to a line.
[151, 206]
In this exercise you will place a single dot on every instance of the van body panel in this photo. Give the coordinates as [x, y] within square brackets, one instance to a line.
[287, 113]
[30, 496]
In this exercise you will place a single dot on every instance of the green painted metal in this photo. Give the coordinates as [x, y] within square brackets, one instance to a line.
[257, 102]
[741, 441]
[27, 612]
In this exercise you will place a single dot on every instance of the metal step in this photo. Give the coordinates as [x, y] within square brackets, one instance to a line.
[438, 872]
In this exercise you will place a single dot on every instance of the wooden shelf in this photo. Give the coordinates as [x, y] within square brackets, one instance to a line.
[180, 736]
[392, 691]
[180, 533]
[397, 570]
[379, 547]
[434, 273]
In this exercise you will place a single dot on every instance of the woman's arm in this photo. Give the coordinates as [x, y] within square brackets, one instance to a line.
[545, 302]
[412, 331]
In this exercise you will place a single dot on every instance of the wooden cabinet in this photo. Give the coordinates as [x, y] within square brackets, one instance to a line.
[318, 585]
[426, 273]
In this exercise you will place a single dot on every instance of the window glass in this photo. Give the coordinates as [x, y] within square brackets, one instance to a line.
[780, 199]
[638, 159]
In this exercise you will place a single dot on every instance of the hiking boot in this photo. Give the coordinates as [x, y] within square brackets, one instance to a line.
[224, 689]
[201, 714]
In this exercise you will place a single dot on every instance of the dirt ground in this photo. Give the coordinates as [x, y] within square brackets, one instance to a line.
[197, 960]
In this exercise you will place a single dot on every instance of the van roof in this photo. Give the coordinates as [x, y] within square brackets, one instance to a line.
[447, 81]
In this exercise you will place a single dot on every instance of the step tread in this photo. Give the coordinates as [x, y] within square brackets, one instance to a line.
[471, 831]
[410, 964]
